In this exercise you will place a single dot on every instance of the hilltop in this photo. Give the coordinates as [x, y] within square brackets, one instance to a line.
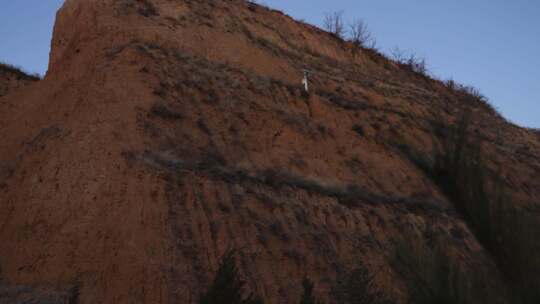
[12, 78]
[167, 133]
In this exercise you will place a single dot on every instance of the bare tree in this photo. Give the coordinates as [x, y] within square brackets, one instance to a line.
[361, 35]
[411, 61]
[333, 22]
[417, 64]
[398, 54]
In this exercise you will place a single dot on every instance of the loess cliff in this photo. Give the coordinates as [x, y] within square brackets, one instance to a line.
[168, 132]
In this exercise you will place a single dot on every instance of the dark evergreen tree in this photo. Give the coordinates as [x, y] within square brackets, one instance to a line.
[308, 297]
[228, 286]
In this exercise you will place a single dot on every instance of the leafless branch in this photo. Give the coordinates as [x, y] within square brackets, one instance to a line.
[410, 60]
[361, 35]
[333, 22]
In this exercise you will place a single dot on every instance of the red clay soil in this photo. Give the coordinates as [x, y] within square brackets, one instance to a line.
[168, 132]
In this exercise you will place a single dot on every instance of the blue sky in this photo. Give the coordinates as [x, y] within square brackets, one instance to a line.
[26, 30]
[491, 44]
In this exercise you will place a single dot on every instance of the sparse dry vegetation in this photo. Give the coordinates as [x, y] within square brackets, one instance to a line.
[433, 275]
[360, 35]
[537, 132]
[410, 61]
[349, 195]
[471, 95]
[506, 230]
[333, 23]
[359, 287]
[8, 68]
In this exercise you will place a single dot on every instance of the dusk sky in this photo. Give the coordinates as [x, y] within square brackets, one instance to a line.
[493, 45]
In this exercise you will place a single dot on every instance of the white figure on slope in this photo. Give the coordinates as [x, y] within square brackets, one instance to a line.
[305, 82]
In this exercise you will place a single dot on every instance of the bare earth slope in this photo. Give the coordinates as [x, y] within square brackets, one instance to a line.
[167, 132]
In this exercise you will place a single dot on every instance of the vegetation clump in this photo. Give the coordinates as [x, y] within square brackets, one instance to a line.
[410, 61]
[333, 23]
[228, 287]
[509, 231]
[308, 297]
[359, 287]
[148, 9]
[8, 68]
[432, 275]
[360, 35]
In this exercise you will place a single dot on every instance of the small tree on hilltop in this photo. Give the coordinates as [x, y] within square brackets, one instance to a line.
[333, 22]
[410, 61]
[308, 297]
[228, 286]
[360, 34]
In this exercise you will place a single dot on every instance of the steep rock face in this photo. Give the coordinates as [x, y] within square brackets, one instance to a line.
[168, 132]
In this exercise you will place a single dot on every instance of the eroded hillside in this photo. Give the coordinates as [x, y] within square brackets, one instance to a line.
[169, 132]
